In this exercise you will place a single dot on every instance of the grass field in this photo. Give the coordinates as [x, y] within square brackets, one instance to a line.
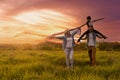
[50, 65]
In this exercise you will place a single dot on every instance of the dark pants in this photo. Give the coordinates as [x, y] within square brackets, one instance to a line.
[91, 53]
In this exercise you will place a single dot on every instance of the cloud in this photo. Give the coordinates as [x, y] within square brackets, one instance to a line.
[33, 33]
[78, 9]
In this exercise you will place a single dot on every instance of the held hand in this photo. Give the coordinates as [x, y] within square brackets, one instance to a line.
[77, 43]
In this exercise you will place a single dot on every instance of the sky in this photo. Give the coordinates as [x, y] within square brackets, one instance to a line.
[31, 21]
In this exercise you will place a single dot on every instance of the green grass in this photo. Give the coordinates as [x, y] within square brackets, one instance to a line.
[50, 65]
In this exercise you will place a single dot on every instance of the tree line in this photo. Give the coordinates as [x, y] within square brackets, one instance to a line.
[104, 46]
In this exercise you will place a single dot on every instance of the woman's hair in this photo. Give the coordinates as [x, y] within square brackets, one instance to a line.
[67, 31]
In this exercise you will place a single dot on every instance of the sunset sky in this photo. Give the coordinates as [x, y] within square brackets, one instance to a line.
[31, 21]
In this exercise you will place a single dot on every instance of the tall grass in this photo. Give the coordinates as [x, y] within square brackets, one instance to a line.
[50, 65]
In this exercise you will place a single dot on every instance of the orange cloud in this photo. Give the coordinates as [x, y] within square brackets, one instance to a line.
[40, 23]
[52, 16]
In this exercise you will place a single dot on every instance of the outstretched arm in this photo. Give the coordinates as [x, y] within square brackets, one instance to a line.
[70, 29]
[98, 19]
[78, 27]
[86, 23]
[58, 37]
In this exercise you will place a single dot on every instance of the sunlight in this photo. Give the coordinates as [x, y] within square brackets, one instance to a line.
[52, 21]
[1, 11]
[43, 17]
[55, 15]
[30, 18]
[38, 23]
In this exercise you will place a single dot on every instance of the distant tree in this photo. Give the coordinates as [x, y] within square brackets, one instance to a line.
[109, 46]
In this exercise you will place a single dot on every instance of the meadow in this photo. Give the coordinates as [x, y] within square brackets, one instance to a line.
[50, 65]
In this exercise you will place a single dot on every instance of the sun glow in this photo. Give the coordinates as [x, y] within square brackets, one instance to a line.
[39, 23]
[43, 16]
[51, 20]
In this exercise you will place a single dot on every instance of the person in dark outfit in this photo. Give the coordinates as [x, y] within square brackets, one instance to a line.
[91, 35]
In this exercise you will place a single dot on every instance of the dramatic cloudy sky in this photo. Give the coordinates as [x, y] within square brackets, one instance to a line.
[31, 21]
